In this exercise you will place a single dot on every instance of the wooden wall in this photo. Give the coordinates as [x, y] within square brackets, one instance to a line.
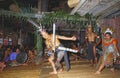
[115, 23]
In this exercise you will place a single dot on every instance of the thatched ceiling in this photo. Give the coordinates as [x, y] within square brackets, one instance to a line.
[101, 8]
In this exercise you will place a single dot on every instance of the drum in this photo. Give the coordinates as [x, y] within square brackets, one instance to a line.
[21, 57]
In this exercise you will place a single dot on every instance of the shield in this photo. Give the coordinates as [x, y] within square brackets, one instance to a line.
[21, 57]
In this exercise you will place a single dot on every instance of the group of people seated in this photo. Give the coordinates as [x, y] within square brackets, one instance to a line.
[10, 56]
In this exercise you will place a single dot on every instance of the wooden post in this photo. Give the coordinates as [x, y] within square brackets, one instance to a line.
[39, 6]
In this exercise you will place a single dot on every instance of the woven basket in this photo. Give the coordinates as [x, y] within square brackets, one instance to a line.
[72, 3]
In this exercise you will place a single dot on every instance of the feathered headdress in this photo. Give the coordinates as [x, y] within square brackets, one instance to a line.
[108, 30]
[89, 26]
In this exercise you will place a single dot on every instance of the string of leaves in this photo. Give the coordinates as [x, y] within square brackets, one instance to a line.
[75, 19]
[48, 18]
[9, 14]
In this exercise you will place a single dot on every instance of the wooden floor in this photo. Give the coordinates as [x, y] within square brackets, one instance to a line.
[79, 69]
[31, 71]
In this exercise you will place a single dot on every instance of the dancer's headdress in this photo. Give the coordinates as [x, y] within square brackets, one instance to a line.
[108, 30]
[89, 26]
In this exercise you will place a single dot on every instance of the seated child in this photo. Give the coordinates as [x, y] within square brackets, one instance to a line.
[2, 66]
[31, 57]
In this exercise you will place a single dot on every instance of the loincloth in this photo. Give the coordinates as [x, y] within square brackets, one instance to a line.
[90, 50]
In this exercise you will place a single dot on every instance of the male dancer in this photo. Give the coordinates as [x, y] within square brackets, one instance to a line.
[60, 53]
[90, 38]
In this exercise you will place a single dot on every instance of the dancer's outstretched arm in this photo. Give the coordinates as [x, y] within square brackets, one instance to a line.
[66, 38]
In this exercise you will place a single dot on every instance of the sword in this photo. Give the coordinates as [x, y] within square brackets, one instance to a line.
[54, 34]
[68, 49]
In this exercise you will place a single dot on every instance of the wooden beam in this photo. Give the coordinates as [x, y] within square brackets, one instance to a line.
[87, 6]
[110, 10]
[102, 8]
[78, 6]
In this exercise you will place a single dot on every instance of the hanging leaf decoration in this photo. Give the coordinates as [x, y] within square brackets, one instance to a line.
[48, 18]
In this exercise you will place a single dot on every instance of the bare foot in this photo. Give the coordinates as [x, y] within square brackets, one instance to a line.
[25, 64]
[97, 73]
[53, 72]
[112, 69]
[60, 70]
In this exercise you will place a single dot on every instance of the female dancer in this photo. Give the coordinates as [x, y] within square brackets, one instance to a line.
[109, 51]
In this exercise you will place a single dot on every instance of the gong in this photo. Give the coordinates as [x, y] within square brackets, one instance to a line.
[21, 57]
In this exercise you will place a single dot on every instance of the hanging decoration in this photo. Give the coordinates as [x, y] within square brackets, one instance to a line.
[72, 3]
[47, 19]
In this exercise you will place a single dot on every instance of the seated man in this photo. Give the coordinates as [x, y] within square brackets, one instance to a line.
[13, 56]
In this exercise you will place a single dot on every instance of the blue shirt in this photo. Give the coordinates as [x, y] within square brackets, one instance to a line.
[13, 56]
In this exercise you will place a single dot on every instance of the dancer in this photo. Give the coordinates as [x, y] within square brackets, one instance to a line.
[110, 51]
[60, 53]
[90, 38]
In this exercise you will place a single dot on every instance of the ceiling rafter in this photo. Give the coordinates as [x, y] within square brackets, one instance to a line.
[87, 6]
[106, 6]
[110, 10]
[96, 7]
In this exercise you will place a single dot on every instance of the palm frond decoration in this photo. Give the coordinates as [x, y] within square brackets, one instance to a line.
[25, 6]
[76, 19]
[8, 14]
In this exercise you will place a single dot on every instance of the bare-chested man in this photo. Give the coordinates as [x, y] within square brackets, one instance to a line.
[90, 38]
[60, 53]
